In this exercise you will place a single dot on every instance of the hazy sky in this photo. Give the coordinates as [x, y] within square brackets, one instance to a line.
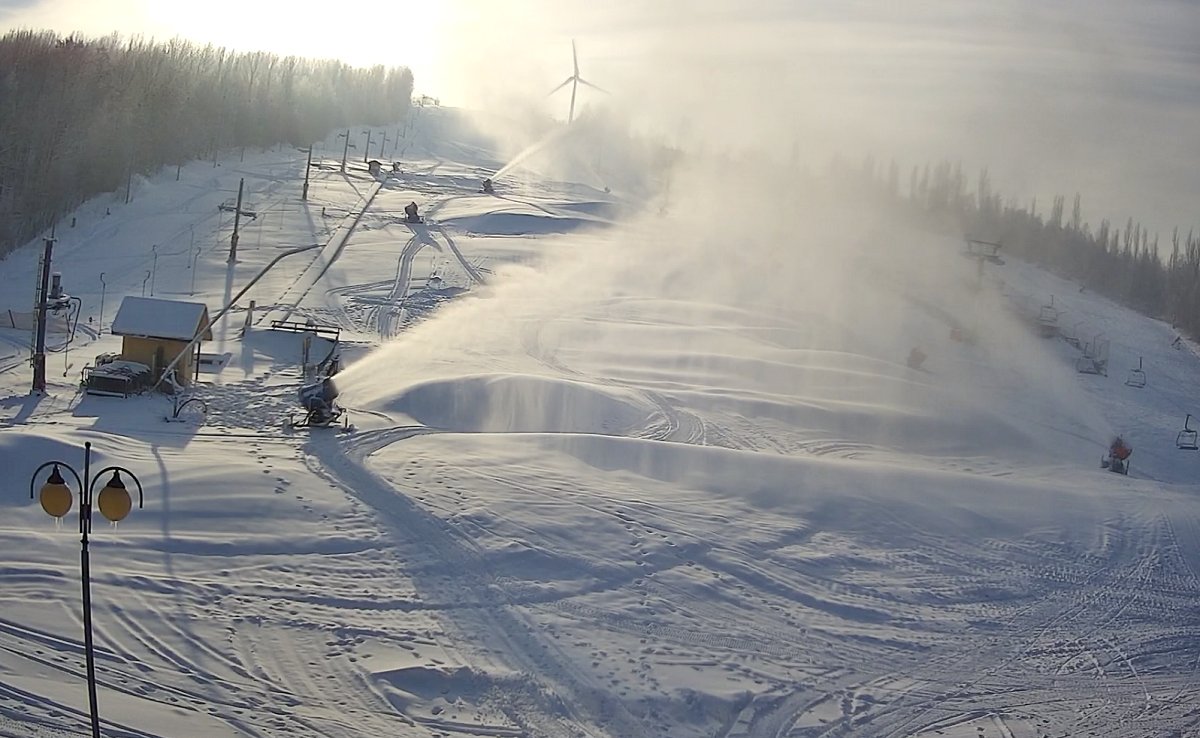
[1100, 97]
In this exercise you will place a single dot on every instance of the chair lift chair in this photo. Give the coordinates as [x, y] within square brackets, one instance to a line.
[1137, 377]
[1187, 438]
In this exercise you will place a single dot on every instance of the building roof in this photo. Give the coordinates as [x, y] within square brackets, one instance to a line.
[149, 317]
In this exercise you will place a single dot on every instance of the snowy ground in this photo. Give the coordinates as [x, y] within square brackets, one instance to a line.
[612, 474]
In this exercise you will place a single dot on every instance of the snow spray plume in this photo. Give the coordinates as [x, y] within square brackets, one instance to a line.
[532, 149]
[827, 273]
[755, 270]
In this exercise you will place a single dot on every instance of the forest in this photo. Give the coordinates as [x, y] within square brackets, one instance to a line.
[82, 116]
[1125, 264]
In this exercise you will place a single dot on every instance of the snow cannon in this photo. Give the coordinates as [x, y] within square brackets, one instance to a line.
[1117, 460]
[313, 394]
[319, 402]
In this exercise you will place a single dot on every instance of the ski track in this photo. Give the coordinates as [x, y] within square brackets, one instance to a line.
[389, 314]
[464, 576]
[940, 681]
[1093, 638]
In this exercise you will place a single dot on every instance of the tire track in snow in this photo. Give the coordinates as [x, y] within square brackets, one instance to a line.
[1029, 625]
[893, 717]
[387, 316]
[471, 271]
[465, 575]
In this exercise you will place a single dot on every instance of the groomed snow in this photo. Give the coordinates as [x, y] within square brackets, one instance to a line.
[612, 473]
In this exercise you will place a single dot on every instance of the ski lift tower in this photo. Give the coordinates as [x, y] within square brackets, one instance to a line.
[982, 252]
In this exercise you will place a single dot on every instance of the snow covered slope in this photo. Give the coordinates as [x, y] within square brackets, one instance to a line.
[612, 474]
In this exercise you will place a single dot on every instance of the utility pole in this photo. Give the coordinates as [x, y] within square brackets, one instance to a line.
[367, 149]
[237, 215]
[345, 151]
[39, 347]
[307, 169]
[382, 144]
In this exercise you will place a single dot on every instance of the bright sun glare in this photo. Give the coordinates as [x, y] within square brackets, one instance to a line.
[390, 32]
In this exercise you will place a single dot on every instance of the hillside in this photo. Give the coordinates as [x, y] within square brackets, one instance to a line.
[615, 470]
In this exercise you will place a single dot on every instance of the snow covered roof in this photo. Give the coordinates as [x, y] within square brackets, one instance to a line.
[153, 318]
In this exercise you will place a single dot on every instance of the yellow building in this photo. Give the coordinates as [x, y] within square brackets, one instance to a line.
[155, 331]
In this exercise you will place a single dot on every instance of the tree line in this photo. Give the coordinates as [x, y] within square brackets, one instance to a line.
[81, 116]
[1125, 264]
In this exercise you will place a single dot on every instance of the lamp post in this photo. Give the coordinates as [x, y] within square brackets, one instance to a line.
[103, 288]
[114, 503]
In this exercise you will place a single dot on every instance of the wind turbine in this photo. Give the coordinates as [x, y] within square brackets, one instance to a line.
[574, 81]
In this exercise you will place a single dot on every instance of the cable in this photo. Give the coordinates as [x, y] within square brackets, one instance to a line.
[72, 326]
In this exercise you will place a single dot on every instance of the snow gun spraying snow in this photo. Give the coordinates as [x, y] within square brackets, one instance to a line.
[321, 410]
[1118, 457]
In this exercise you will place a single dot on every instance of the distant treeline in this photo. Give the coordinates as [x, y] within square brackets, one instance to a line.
[1124, 264]
[79, 116]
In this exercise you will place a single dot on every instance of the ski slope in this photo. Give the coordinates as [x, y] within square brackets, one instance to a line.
[613, 473]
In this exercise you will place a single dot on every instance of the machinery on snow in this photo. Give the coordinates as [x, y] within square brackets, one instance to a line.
[319, 401]
[1117, 459]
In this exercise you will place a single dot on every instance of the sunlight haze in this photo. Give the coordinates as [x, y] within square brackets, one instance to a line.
[1095, 98]
[773, 375]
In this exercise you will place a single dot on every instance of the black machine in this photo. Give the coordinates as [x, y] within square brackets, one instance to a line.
[321, 410]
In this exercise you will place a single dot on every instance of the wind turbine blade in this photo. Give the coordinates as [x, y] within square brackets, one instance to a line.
[566, 82]
[594, 87]
[571, 114]
[575, 58]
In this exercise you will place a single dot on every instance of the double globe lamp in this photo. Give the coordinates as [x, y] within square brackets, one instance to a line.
[115, 503]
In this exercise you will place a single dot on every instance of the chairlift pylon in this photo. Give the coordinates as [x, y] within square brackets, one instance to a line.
[1187, 438]
[1137, 377]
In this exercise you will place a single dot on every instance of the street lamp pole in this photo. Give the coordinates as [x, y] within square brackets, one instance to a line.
[114, 503]
[103, 288]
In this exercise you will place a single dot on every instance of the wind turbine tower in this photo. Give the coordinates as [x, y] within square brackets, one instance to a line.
[574, 80]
